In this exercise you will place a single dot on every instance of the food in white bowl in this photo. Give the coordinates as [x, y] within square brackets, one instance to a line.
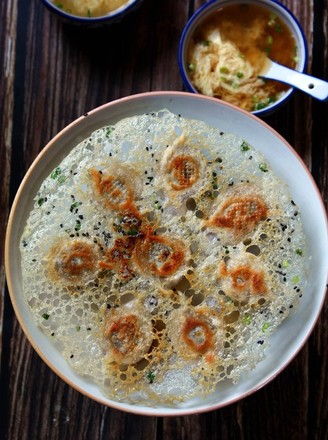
[226, 45]
[148, 302]
[92, 13]
[89, 8]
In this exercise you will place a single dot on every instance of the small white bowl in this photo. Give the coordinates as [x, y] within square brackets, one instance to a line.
[112, 17]
[209, 8]
[294, 331]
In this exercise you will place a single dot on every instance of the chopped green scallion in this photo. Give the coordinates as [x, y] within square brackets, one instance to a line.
[247, 319]
[108, 131]
[265, 326]
[74, 206]
[56, 173]
[150, 376]
[263, 167]
[224, 70]
[244, 146]
[259, 106]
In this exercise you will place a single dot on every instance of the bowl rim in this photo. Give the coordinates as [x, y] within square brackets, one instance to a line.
[10, 274]
[116, 14]
[210, 5]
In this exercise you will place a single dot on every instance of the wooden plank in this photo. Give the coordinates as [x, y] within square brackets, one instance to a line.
[8, 10]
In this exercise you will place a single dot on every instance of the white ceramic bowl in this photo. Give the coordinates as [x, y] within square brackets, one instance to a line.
[112, 17]
[289, 337]
[206, 10]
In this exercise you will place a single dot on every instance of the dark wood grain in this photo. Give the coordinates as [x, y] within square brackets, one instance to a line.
[51, 73]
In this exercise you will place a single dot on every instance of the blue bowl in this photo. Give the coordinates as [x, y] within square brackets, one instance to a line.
[205, 11]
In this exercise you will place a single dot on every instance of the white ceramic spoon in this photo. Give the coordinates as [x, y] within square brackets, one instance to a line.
[308, 84]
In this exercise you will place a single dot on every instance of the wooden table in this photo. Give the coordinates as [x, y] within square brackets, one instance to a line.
[51, 73]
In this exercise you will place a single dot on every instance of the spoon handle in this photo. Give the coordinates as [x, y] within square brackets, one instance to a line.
[308, 84]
